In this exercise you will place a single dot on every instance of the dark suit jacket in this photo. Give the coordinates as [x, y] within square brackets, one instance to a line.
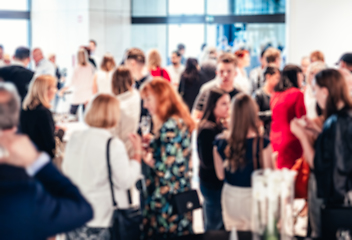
[39, 125]
[40, 207]
[19, 76]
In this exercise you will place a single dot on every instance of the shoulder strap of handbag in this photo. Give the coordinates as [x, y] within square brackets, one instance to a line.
[110, 176]
[260, 153]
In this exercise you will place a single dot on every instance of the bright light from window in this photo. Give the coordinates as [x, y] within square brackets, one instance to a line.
[190, 7]
[11, 39]
[14, 5]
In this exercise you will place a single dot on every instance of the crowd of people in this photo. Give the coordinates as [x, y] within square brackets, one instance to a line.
[135, 154]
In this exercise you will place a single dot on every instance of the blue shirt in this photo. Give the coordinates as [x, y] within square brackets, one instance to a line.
[242, 176]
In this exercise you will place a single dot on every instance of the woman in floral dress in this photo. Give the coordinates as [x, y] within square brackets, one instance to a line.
[169, 160]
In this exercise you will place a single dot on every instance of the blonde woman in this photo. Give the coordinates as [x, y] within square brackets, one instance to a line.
[130, 106]
[154, 65]
[82, 82]
[102, 79]
[85, 164]
[36, 118]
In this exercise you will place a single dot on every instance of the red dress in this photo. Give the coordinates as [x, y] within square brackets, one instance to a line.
[285, 106]
[160, 72]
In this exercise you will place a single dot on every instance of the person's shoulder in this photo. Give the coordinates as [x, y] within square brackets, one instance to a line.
[208, 86]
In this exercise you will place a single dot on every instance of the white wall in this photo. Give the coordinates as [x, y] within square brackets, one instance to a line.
[318, 25]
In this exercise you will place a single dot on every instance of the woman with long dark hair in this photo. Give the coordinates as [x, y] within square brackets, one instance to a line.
[215, 114]
[287, 103]
[191, 81]
[237, 153]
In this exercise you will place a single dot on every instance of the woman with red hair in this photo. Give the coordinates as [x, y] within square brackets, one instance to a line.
[168, 157]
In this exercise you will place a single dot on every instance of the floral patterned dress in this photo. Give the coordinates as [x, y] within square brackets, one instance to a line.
[170, 175]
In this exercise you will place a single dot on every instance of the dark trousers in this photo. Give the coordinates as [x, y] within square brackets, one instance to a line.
[212, 208]
[74, 108]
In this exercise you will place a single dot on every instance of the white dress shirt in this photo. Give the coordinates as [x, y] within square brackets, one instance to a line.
[310, 102]
[85, 164]
[175, 74]
[45, 67]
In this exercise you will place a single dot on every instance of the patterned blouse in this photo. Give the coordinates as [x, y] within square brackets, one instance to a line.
[170, 175]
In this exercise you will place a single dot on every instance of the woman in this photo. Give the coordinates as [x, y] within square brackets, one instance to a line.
[170, 150]
[82, 82]
[237, 154]
[242, 82]
[85, 163]
[262, 96]
[215, 114]
[287, 103]
[102, 79]
[309, 100]
[191, 81]
[330, 154]
[154, 65]
[36, 118]
[130, 106]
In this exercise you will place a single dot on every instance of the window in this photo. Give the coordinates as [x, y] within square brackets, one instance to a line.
[14, 5]
[186, 7]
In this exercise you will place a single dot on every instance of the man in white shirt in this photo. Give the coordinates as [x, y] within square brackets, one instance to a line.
[175, 69]
[43, 65]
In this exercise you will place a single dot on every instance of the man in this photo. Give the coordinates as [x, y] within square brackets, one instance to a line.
[93, 53]
[346, 61]
[226, 73]
[59, 76]
[256, 76]
[18, 73]
[273, 57]
[135, 62]
[43, 66]
[305, 64]
[2, 62]
[182, 49]
[175, 69]
[44, 204]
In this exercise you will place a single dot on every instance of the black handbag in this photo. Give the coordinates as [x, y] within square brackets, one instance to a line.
[126, 223]
[334, 218]
[185, 202]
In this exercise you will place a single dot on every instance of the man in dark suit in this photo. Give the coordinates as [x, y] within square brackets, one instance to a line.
[17, 73]
[42, 205]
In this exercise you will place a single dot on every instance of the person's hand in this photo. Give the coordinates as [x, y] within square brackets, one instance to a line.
[137, 146]
[297, 129]
[148, 159]
[20, 150]
[146, 138]
[312, 125]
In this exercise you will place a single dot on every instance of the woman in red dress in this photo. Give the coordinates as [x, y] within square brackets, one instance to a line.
[154, 65]
[286, 104]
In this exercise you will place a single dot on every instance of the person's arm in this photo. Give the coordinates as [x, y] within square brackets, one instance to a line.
[198, 106]
[300, 108]
[218, 164]
[95, 85]
[126, 172]
[267, 157]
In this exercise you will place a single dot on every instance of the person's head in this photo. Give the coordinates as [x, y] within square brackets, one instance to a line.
[346, 61]
[10, 107]
[316, 56]
[103, 112]
[244, 118]
[191, 70]
[82, 57]
[291, 76]
[175, 58]
[313, 69]
[330, 90]
[122, 80]
[217, 106]
[243, 59]
[92, 45]
[37, 55]
[263, 62]
[348, 77]
[52, 58]
[22, 54]
[1, 52]
[135, 61]
[108, 63]
[163, 102]
[181, 48]
[273, 56]
[41, 90]
[272, 76]
[154, 59]
[305, 64]
[226, 68]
